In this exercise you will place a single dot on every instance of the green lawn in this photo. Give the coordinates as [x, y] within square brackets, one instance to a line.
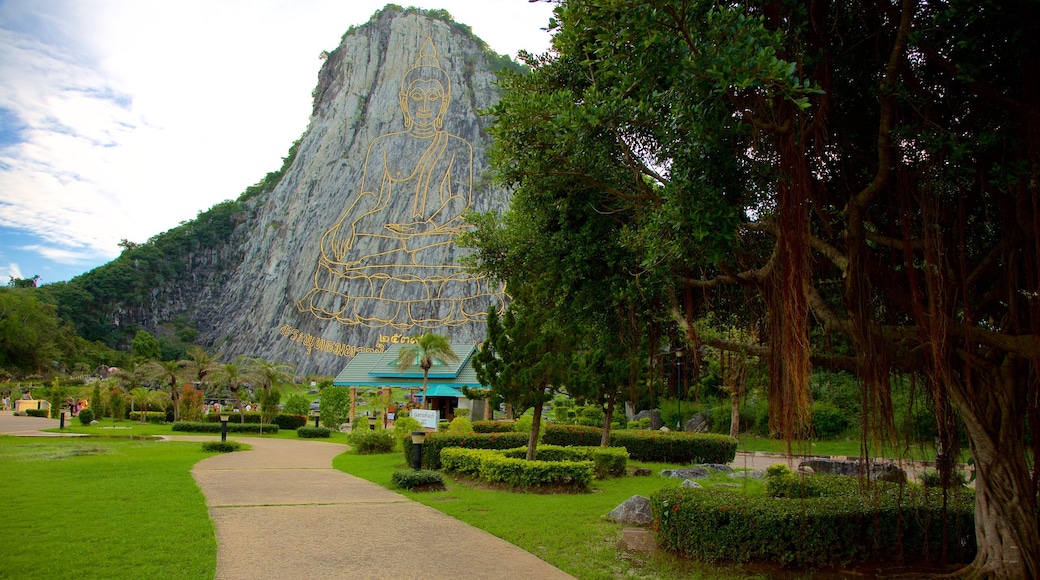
[569, 531]
[103, 508]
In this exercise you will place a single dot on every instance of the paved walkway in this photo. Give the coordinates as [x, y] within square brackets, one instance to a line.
[282, 511]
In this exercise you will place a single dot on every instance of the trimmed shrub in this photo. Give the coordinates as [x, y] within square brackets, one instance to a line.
[495, 467]
[650, 446]
[460, 425]
[45, 413]
[367, 441]
[492, 426]
[435, 442]
[85, 416]
[290, 422]
[608, 461]
[310, 432]
[221, 446]
[842, 530]
[423, 480]
[191, 427]
[296, 404]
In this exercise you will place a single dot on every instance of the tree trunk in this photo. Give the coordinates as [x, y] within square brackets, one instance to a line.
[609, 416]
[1007, 530]
[734, 413]
[536, 425]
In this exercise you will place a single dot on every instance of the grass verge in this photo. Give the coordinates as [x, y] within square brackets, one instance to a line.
[569, 531]
[105, 508]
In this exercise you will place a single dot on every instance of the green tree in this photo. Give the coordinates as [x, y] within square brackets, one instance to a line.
[27, 331]
[145, 347]
[867, 170]
[427, 350]
[523, 360]
[170, 373]
[271, 376]
[231, 375]
[203, 364]
[335, 407]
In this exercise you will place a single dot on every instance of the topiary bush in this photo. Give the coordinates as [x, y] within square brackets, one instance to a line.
[191, 427]
[422, 480]
[460, 425]
[435, 442]
[45, 413]
[86, 416]
[311, 432]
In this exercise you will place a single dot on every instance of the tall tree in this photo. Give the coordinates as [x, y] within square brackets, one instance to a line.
[868, 168]
[272, 376]
[170, 373]
[231, 375]
[524, 361]
[203, 364]
[427, 350]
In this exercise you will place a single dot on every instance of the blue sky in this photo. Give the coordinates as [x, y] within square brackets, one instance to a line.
[119, 119]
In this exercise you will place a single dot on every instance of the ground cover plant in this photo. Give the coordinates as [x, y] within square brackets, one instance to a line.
[134, 511]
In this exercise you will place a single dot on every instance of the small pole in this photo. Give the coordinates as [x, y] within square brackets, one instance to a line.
[418, 437]
[223, 426]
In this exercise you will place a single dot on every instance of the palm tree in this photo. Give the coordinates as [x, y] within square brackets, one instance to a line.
[170, 372]
[271, 375]
[232, 375]
[423, 352]
[202, 364]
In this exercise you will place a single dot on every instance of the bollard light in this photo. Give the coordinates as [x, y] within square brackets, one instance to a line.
[372, 422]
[316, 416]
[418, 438]
[224, 416]
[61, 421]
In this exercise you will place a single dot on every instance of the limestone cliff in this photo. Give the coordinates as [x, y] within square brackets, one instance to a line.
[353, 249]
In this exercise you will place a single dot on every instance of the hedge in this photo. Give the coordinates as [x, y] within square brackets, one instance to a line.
[290, 421]
[493, 426]
[650, 446]
[435, 442]
[607, 461]
[45, 413]
[192, 427]
[850, 528]
[494, 466]
[311, 432]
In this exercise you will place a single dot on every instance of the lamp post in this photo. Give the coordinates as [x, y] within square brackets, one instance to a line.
[315, 415]
[224, 416]
[372, 422]
[61, 420]
[678, 386]
[418, 438]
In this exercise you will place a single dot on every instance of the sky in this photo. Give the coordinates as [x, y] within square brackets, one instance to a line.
[120, 119]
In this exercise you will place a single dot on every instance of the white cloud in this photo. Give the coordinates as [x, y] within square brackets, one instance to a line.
[137, 115]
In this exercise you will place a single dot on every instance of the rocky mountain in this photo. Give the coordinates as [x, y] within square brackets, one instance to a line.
[353, 249]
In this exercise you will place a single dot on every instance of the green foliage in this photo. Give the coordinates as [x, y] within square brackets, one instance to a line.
[310, 432]
[97, 401]
[296, 404]
[829, 421]
[56, 396]
[232, 427]
[422, 480]
[117, 404]
[651, 446]
[145, 347]
[608, 461]
[28, 330]
[460, 425]
[335, 407]
[435, 442]
[365, 441]
[495, 467]
[221, 446]
[85, 416]
[493, 426]
[45, 413]
[289, 421]
[156, 417]
[851, 526]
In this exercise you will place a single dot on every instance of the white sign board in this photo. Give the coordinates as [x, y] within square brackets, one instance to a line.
[428, 418]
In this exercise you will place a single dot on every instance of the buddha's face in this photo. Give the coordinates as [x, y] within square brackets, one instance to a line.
[424, 102]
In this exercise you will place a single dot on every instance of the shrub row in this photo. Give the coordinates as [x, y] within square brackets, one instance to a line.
[192, 427]
[721, 525]
[493, 426]
[283, 420]
[494, 466]
[310, 432]
[435, 442]
[157, 417]
[607, 461]
[651, 446]
[38, 413]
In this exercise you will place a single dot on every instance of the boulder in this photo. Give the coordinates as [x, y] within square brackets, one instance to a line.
[691, 483]
[883, 471]
[634, 510]
[697, 424]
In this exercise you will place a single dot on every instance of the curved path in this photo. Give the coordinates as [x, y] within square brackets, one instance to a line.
[281, 511]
